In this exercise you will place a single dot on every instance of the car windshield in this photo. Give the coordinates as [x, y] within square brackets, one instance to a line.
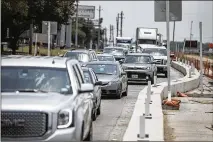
[108, 69]
[146, 41]
[87, 76]
[155, 51]
[123, 41]
[113, 51]
[35, 79]
[106, 58]
[82, 57]
[137, 59]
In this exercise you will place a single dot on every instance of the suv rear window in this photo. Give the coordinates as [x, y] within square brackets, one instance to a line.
[35, 78]
[80, 56]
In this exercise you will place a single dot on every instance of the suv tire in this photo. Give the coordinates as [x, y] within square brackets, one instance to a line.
[94, 114]
[125, 93]
[166, 74]
[90, 134]
[99, 109]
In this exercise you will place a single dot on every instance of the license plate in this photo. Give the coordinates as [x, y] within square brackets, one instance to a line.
[134, 76]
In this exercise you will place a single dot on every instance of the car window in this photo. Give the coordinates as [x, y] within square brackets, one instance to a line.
[108, 69]
[87, 76]
[80, 72]
[94, 76]
[80, 56]
[95, 57]
[35, 78]
[78, 75]
[137, 59]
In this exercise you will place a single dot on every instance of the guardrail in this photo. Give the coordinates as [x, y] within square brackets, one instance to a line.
[153, 129]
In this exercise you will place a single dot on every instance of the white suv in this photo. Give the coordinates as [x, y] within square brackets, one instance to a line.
[159, 54]
[45, 99]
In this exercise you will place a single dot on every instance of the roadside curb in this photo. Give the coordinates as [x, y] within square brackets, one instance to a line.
[155, 126]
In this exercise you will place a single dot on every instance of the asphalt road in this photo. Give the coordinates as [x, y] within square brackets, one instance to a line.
[116, 113]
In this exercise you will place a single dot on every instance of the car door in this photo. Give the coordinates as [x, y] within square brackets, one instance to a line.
[86, 99]
[97, 89]
[124, 78]
[121, 77]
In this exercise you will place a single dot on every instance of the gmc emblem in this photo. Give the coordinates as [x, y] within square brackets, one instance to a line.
[12, 123]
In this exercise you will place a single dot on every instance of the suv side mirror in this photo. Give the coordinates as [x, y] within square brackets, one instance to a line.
[98, 83]
[86, 88]
[123, 73]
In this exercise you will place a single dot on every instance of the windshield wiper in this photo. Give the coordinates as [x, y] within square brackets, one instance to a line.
[31, 90]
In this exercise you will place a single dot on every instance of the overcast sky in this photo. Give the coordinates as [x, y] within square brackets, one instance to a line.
[141, 14]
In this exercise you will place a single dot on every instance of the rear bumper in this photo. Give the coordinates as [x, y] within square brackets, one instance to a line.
[110, 89]
[161, 68]
[139, 75]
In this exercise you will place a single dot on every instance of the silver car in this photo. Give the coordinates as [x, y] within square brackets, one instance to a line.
[113, 74]
[45, 99]
[82, 55]
[118, 52]
[90, 77]
[139, 67]
[106, 57]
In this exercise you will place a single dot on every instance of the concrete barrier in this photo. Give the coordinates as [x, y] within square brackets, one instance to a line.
[154, 127]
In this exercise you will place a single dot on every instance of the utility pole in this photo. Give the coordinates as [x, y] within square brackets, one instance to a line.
[121, 32]
[113, 34]
[99, 25]
[76, 25]
[31, 29]
[110, 33]
[174, 32]
[117, 25]
[190, 35]
[105, 38]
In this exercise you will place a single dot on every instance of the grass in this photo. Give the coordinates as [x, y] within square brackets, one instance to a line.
[43, 51]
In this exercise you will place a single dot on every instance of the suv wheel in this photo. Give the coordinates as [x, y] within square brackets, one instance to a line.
[94, 114]
[90, 134]
[166, 74]
[125, 93]
[152, 80]
[99, 109]
[119, 95]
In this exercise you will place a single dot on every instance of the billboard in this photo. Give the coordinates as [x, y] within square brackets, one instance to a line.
[95, 22]
[53, 27]
[86, 11]
[193, 43]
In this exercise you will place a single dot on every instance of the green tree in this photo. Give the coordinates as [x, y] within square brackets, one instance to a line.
[17, 15]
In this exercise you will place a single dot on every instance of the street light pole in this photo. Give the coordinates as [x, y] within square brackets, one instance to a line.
[168, 49]
[76, 25]
[99, 26]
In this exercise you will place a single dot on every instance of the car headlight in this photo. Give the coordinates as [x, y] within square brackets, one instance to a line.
[148, 68]
[65, 118]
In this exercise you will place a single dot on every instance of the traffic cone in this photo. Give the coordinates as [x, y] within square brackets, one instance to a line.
[179, 94]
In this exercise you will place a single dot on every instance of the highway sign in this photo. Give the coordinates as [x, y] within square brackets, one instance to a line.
[53, 27]
[86, 11]
[193, 43]
[175, 8]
